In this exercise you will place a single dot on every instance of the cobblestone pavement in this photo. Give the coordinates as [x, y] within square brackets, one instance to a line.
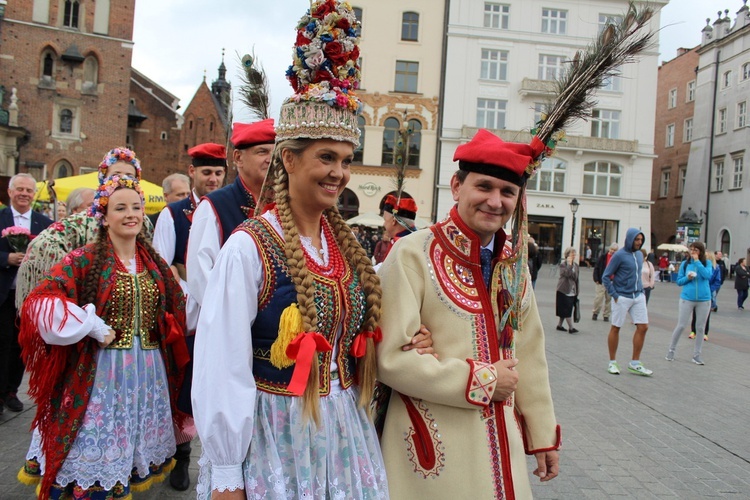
[682, 433]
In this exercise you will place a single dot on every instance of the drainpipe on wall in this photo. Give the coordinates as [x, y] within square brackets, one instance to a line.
[441, 103]
[711, 144]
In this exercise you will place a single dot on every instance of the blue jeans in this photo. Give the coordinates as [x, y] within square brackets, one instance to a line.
[714, 293]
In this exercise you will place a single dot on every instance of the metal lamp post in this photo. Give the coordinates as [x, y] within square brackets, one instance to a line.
[573, 209]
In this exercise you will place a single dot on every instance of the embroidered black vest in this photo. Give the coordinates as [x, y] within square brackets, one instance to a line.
[232, 204]
[336, 300]
[181, 227]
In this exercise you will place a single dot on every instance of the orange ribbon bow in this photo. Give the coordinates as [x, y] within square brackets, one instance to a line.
[302, 349]
[359, 346]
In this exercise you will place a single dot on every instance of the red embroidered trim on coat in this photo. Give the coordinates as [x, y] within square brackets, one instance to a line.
[481, 385]
[423, 445]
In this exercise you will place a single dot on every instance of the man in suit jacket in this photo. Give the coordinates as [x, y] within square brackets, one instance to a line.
[21, 192]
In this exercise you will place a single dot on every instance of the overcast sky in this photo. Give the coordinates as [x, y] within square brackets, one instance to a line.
[177, 40]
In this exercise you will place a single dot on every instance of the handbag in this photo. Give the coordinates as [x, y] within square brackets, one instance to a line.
[577, 311]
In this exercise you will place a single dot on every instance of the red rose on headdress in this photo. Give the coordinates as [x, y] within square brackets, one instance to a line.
[343, 24]
[354, 54]
[301, 39]
[323, 76]
[335, 53]
[324, 9]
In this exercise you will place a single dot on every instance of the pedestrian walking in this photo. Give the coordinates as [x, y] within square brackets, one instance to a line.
[741, 284]
[622, 278]
[693, 276]
[567, 290]
[648, 276]
[714, 283]
[602, 300]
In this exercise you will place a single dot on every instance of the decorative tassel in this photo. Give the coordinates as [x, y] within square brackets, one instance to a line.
[290, 325]
[142, 485]
[28, 479]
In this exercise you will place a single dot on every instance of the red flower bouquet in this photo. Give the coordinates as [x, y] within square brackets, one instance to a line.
[18, 237]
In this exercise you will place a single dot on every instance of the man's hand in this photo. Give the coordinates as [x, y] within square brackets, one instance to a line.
[547, 465]
[422, 342]
[507, 379]
[15, 258]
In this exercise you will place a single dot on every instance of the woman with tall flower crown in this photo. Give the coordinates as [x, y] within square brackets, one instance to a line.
[284, 357]
[102, 338]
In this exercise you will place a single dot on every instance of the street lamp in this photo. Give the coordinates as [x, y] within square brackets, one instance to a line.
[573, 209]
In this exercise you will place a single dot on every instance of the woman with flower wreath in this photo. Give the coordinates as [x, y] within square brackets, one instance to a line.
[102, 337]
[284, 355]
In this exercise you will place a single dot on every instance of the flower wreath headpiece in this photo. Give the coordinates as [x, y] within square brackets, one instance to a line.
[105, 190]
[324, 75]
[117, 155]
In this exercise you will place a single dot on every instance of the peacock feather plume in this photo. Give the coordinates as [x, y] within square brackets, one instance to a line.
[254, 89]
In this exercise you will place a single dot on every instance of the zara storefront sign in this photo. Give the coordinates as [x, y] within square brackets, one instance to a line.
[545, 205]
[369, 188]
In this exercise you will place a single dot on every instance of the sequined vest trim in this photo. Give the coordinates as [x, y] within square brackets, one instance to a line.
[335, 300]
[133, 309]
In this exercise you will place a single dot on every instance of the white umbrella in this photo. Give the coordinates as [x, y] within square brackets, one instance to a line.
[366, 219]
[672, 247]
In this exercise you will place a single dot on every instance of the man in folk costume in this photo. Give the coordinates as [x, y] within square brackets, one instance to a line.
[472, 290]
[208, 169]
[460, 427]
[399, 217]
[228, 207]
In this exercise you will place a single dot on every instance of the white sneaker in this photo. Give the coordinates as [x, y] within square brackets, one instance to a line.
[613, 368]
[638, 368]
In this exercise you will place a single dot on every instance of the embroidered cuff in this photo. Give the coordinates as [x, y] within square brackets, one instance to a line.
[227, 478]
[481, 386]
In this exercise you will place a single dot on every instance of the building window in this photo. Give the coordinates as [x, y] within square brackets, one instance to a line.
[48, 65]
[90, 74]
[551, 177]
[554, 21]
[550, 67]
[687, 134]
[66, 121]
[491, 113]
[539, 109]
[406, 76]
[690, 91]
[739, 165]
[389, 140]
[745, 71]
[664, 186]
[682, 175]
[742, 114]
[612, 83]
[726, 79]
[415, 142]
[607, 19]
[62, 170]
[672, 101]
[602, 178]
[669, 141]
[70, 13]
[163, 136]
[496, 15]
[494, 65]
[358, 14]
[360, 151]
[721, 119]
[605, 123]
[718, 175]
[410, 26]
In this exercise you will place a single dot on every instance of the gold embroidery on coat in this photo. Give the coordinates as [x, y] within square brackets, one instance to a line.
[133, 310]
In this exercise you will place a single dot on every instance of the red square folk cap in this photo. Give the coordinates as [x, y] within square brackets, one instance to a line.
[245, 135]
[487, 154]
[208, 154]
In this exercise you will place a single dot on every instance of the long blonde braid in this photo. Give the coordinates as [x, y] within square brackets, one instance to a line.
[358, 260]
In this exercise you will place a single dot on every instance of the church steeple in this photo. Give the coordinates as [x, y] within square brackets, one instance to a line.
[222, 89]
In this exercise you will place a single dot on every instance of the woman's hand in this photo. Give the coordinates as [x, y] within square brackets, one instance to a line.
[108, 339]
[422, 342]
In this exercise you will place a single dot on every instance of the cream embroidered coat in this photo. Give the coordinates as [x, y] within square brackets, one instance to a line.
[443, 436]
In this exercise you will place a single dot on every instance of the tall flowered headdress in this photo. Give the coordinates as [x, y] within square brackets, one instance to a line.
[324, 75]
[105, 190]
[117, 155]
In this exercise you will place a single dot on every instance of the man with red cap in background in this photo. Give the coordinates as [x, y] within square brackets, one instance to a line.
[226, 208]
[399, 217]
[470, 417]
[207, 170]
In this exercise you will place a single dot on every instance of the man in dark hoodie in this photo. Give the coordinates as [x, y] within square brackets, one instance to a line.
[622, 279]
